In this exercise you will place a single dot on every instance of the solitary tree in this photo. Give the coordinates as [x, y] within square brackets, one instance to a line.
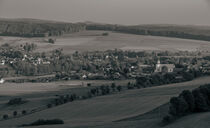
[5, 116]
[15, 113]
[24, 112]
[49, 105]
[119, 88]
[113, 86]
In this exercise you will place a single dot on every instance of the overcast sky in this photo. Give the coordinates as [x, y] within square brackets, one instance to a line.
[111, 11]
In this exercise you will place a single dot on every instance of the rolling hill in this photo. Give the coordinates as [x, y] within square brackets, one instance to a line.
[102, 111]
[36, 28]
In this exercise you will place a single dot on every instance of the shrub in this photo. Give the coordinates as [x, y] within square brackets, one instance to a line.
[188, 76]
[105, 34]
[49, 105]
[168, 119]
[130, 86]
[5, 116]
[200, 101]
[89, 84]
[52, 41]
[16, 101]
[188, 96]
[206, 93]
[93, 91]
[45, 122]
[24, 112]
[113, 86]
[107, 90]
[178, 106]
[15, 113]
[119, 88]
[197, 101]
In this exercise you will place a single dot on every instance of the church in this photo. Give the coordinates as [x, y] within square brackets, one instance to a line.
[164, 68]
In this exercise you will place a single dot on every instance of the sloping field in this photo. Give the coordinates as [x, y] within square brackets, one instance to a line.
[101, 111]
[15, 89]
[93, 40]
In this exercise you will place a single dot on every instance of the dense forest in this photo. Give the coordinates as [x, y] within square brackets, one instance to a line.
[185, 32]
[42, 28]
[37, 28]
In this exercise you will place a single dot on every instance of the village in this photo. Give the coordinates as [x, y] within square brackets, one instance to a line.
[99, 65]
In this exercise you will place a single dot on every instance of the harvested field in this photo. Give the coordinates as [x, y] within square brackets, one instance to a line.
[93, 40]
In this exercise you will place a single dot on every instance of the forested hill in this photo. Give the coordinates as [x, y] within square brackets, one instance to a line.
[36, 28]
[42, 28]
[178, 31]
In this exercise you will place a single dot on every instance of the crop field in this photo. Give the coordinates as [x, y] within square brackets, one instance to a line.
[103, 110]
[93, 40]
[14, 89]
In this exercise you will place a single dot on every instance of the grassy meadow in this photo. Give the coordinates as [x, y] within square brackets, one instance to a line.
[103, 111]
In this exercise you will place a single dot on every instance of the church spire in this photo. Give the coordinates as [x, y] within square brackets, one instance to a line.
[158, 62]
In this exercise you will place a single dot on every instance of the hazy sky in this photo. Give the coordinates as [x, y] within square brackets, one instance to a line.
[111, 11]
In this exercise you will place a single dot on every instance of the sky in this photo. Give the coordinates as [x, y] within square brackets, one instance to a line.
[127, 12]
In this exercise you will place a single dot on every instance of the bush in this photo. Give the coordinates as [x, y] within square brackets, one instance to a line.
[52, 41]
[5, 116]
[15, 113]
[105, 34]
[16, 101]
[206, 93]
[45, 122]
[178, 106]
[168, 119]
[188, 96]
[200, 101]
[113, 86]
[49, 105]
[119, 88]
[196, 101]
[130, 86]
[93, 91]
[24, 112]
[89, 84]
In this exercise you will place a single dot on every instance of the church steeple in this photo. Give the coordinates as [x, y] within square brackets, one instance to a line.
[158, 62]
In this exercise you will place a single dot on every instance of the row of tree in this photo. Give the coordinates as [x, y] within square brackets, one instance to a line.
[168, 31]
[197, 100]
[15, 114]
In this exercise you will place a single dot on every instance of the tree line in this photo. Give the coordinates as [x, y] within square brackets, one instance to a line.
[188, 102]
[37, 29]
[166, 31]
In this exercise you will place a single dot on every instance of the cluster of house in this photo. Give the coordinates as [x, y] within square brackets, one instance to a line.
[35, 61]
[105, 65]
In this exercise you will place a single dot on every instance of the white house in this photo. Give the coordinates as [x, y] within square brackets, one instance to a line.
[2, 81]
[2, 62]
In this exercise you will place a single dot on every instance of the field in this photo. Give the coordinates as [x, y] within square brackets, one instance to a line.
[102, 111]
[93, 40]
[134, 108]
